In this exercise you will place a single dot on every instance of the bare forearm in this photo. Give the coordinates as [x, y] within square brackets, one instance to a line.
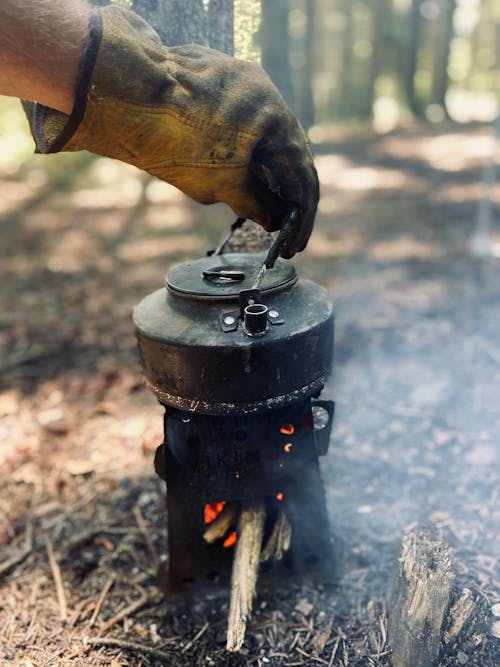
[42, 43]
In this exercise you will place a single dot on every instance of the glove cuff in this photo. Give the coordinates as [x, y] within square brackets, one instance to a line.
[53, 129]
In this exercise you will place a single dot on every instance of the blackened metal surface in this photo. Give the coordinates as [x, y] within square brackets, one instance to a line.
[271, 457]
[192, 563]
[191, 363]
[242, 457]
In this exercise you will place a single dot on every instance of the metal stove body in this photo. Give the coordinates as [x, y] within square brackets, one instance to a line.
[239, 371]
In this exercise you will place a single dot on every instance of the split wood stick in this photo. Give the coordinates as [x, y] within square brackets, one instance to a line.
[279, 540]
[245, 571]
[220, 525]
[130, 646]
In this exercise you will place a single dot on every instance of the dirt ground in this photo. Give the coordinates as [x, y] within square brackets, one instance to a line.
[416, 384]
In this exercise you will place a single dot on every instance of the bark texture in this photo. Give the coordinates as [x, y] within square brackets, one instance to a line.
[188, 22]
[177, 21]
[275, 46]
[419, 599]
[221, 25]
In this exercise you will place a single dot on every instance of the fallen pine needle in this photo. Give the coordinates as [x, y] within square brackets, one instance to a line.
[195, 638]
[58, 581]
[143, 527]
[131, 646]
[111, 580]
[311, 657]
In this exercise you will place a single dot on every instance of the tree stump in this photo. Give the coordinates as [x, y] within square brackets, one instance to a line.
[419, 598]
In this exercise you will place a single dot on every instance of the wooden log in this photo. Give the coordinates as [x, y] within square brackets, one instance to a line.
[279, 539]
[419, 598]
[245, 571]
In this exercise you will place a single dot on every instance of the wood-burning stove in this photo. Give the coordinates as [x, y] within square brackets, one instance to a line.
[238, 356]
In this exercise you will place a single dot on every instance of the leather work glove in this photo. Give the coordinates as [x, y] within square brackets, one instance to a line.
[212, 125]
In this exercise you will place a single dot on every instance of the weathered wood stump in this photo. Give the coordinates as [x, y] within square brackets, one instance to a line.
[429, 614]
[419, 598]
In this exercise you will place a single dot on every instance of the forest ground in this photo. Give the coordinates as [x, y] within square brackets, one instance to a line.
[416, 384]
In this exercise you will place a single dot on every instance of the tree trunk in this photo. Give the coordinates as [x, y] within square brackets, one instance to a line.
[380, 21]
[440, 74]
[221, 25]
[155, 12]
[345, 98]
[275, 45]
[187, 22]
[304, 98]
[176, 21]
[413, 44]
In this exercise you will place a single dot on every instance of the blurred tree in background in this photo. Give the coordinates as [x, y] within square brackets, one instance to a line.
[365, 60]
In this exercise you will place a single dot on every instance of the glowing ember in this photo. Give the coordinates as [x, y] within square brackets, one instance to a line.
[279, 496]
[212, 511]
[288, 447]
[287, 429]
[230, 540]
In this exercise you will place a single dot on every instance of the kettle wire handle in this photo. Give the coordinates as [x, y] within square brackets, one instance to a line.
[286, 229]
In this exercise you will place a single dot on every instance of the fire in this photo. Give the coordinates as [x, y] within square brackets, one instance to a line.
[230, 540]
[212, 510]
[287, 429]
[288, 447]
[279, 496]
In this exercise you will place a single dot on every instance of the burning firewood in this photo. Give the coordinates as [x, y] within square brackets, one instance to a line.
[245, 570]
[220, 525]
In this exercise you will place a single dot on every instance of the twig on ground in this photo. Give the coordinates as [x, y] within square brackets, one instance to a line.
[17, 559]
[143, 527]
[58, 581]
[311, 657]
[195, 638]
[78, 611]
[127, 611]
[131, 646]
[334, 651]
[107, 586]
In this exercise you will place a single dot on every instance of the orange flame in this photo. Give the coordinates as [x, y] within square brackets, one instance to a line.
[287, 429]
[212, 510]
[230, 540]
[279, 496]
[288, 447]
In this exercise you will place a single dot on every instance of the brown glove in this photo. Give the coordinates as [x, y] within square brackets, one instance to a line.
[212, 125]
